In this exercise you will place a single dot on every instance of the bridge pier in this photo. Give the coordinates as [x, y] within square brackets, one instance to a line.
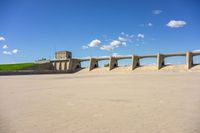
[189, 60]
[113, 63]
[63, 65]
[160, 61]
[93, 64]
[74, 64]
[54, 65]
[135, 61]
[58, 65]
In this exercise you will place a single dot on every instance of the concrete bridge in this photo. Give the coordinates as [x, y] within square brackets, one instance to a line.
[73, 64]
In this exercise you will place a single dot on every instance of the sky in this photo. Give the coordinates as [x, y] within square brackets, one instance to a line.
[35, 29]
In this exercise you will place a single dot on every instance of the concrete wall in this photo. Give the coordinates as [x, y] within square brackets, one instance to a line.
[60, 65]
[68, 65]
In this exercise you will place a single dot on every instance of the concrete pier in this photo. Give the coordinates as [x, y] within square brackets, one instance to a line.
[113, 63]
[135, 62]
[93, 63]
[58, 65]
[189, 60]
[160, 61]
[74, 64]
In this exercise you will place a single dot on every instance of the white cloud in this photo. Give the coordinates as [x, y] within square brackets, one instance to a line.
[157, 12]
[125, 37]
[140, 35]
[107, 47]
[113, 44]
[15, 51]
[176, 24]
[150, 24]
[5, 46]
[122, 38]
[196, 50]
[2, 38]
[94, 43]
[7, 52]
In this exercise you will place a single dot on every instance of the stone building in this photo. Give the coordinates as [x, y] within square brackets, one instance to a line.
[59, 55]
[64, 62]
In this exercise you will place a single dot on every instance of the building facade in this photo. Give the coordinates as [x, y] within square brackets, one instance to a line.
[60, 55]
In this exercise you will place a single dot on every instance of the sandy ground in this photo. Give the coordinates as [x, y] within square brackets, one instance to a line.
[118, 102]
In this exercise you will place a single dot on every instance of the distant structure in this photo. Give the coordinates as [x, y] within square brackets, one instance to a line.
[59, 55]
[64, 62]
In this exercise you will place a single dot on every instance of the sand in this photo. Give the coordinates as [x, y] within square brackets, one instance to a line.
[101, 102]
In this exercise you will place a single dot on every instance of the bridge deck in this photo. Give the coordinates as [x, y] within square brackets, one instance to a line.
[175, 54]
[129, 57]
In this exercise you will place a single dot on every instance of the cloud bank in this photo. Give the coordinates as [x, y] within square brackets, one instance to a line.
[113, 44]
[121, 40]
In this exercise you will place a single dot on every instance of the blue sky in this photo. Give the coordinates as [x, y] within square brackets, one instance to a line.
[32, 29]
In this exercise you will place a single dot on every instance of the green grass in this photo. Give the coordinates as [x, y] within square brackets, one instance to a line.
[20, 66]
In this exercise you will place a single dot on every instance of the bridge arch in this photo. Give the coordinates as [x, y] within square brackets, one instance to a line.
[124, 62]
[84, 64]
[196, 58]
[148, 61]
[103, 63]
[175, 60]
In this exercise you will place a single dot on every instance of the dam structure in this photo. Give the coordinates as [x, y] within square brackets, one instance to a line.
[64, 62]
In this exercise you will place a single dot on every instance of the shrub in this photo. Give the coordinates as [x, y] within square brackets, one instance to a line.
[106, 65]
